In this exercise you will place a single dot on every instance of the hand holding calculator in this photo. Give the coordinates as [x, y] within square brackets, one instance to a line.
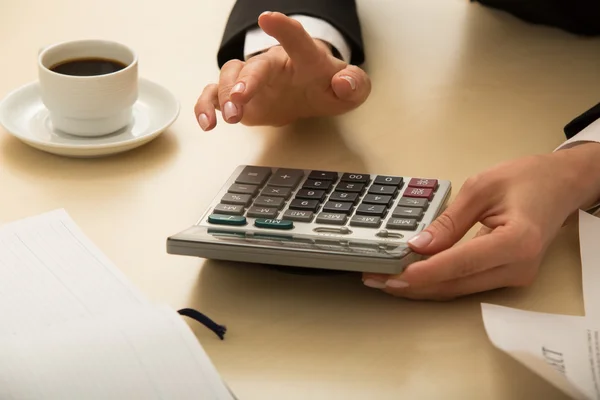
[315, 219]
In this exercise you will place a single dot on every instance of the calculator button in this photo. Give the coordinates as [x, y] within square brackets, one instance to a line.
[331, 218]
[262, 212]
[272, 191]
[378, 199]
[236, 199]
[388, 180]
[323, 176]
[419, 193]
[405, 224]
[299, 204]
[356, 178]
[350, 187]
[386, 190]
[371, 210]
[408, 212]
[309, 194]
[273, 223]
[243, 189]
[418, 203]
[229, 209]
[264, 201]
[365, 221]
[338, 207]
[299, 216]
[254, 176]
[342, 196]
[219, 219]
[423, 183]
[314, 184]
[286, 177]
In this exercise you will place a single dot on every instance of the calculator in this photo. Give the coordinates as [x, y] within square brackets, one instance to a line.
[315, 219]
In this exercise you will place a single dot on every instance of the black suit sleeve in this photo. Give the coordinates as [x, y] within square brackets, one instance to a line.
[341, 14]
[582, 121]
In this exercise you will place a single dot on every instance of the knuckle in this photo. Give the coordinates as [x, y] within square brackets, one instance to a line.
[444, 223]
[530, 244]
[208, 90]
[232, 64]
[473, 184]
[224, 92]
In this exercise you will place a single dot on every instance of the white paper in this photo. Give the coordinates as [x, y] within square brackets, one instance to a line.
[564, 350]
[73, 327]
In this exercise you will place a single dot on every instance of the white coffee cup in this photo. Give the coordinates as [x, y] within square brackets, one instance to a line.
[88, 105]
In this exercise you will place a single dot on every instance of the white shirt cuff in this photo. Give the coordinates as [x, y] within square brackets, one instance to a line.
[590, 134]
[257, 41]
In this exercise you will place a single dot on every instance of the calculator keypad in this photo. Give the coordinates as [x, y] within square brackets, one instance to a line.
[277, 198]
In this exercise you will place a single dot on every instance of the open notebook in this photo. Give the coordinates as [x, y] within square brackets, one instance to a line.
[72, 327]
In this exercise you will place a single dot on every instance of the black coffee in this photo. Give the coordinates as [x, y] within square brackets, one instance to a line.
[88, 67]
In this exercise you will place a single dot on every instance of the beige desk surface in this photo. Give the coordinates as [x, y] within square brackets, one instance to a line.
[457, 88]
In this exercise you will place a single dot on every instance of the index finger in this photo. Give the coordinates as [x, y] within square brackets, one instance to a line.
[290, 33]
[501, 246]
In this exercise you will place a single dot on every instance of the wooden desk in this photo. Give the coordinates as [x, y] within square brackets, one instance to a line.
[457, 88]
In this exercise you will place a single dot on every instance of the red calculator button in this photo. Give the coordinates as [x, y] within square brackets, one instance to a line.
[423, 183]
[419, 193]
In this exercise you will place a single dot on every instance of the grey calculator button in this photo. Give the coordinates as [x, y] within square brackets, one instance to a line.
[254, 175]
[236, 199]
[356, 178]
[350, 187]
[311, 194]
[338, 207]
[243, 189]
[383, 190]
[343, 196]
[331, 218]
[262, 212]
[365, 221]
[229, 209]
[372, 210]
[284, 177]
[298, 216]
[418, 203]
[273, 191]
[318, 185]
[378, 199]
[323, 175]
[408, 212]
[264, 201]
[404, 224]
[307, 205]
[388, 180]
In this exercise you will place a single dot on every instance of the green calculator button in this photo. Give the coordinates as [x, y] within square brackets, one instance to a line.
[219, 219]
[273, 223]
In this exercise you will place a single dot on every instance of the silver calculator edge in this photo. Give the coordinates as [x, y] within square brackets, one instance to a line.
[360, 251]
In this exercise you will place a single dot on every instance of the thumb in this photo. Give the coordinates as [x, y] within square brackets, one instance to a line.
[351, 84]
[450, 226]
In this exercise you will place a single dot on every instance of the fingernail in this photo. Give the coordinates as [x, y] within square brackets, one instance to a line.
[372, 283]
[239, 88]
[203, 121]
[396, 283]
[350, 80]
[422, 239]
[265, 13]
[229, 111]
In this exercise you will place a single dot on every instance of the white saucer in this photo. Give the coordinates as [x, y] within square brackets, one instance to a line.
[23, 115]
